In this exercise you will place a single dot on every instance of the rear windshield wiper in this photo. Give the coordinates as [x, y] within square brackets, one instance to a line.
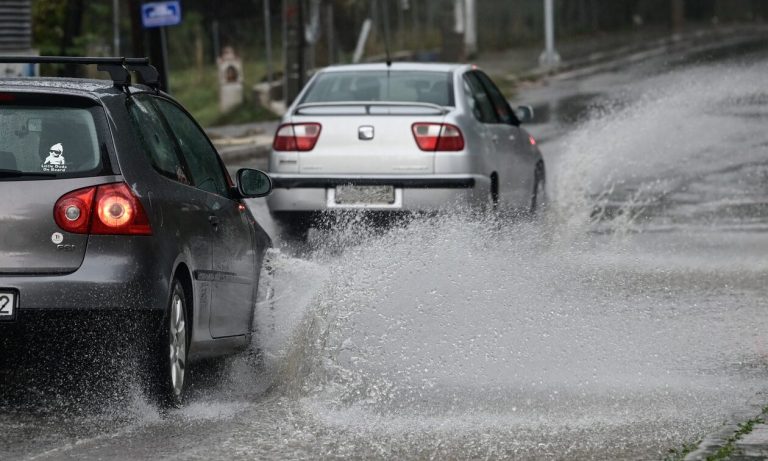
[17, 173]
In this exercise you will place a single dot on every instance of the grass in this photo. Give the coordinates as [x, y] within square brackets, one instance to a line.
[198, 91]
[678, 454]
[727, 450]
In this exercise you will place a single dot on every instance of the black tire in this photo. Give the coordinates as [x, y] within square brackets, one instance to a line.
[293, 226]
[539, 195]
[494, 192]
[168, 357]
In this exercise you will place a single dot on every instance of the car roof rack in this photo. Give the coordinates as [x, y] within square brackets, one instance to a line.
[119, 68]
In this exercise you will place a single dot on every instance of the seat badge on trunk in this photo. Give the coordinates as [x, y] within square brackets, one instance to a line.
[365, 133]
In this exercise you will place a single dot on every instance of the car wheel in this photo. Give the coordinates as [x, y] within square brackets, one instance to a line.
[491, 203]
[168, 358]
[538, 199]
[494, 192]
[293, 228]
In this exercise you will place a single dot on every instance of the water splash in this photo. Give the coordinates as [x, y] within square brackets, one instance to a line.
[457, 336]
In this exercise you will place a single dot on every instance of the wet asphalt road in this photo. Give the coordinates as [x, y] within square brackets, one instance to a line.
[626, 321]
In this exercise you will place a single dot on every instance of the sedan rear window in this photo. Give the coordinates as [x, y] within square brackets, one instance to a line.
[47, 141]
[393, 86]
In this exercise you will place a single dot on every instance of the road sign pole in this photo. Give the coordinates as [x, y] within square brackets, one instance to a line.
[549, 58]
[160, 15]
[164, 46]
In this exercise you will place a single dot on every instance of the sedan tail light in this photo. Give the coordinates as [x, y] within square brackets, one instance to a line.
[435, 137]
[108, 209]
[296, 136]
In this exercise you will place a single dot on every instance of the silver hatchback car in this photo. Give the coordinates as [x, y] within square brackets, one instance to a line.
[401, 137]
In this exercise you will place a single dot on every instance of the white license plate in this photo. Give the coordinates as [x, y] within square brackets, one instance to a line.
[7, 305]
[365, 195]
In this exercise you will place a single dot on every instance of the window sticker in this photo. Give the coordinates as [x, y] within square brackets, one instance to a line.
[55, 162]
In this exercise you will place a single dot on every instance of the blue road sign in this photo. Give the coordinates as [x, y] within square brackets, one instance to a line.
[160, 14]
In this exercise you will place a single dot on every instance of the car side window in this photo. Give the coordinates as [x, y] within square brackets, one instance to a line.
[202, 159]
[157, 141]
[500, 104]
[479, 100]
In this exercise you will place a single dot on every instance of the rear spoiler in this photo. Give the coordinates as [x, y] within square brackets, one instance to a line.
[369, 108]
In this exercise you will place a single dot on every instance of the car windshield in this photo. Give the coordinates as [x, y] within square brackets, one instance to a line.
[44, 141]
[389, 86]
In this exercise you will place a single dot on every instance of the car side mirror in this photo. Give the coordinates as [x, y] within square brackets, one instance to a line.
[253, 183]
[524, 114]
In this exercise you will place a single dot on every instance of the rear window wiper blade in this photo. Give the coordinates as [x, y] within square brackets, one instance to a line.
[17, 173]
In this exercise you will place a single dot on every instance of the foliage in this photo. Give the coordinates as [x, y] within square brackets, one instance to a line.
[729, 449]
[48, 25]
[198, 92]
[676, 454]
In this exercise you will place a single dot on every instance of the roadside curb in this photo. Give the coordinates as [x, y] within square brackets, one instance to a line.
[600, 60]
[245, 152]
[244, 141]
[712, 443]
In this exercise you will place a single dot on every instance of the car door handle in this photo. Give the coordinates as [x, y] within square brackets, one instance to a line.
[214, 220]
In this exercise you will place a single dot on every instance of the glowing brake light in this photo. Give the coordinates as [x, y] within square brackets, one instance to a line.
[296, 136]
[433, 137]
[532, 140]
[108, 209]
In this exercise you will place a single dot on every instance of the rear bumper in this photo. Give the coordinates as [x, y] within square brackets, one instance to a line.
[412, 193]
[116, 274]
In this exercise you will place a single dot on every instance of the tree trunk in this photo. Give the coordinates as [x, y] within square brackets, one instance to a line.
[73, 25]
[678, 16]
[137, 32]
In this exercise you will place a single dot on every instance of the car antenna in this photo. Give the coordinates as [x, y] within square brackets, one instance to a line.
[386, 36]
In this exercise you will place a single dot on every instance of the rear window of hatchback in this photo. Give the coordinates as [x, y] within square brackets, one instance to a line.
[44, 137]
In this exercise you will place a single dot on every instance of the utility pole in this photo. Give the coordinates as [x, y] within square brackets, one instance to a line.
[470, 28]
[549, 58]
[293, 49]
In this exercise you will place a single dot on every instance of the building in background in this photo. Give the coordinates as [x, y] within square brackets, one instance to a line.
[16, 37]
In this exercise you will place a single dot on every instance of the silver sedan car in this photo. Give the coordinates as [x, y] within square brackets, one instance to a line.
[401, 137]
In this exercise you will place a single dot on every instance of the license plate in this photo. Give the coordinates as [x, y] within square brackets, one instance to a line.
[7, 305]
[350, 195]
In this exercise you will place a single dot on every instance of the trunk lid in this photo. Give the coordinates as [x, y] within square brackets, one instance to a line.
[30, 240]
[378, 140]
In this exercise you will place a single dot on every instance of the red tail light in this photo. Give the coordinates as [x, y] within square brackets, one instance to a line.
[108, 209]
[296, 136]
[532, 140]
[433, 137]
[72, 212]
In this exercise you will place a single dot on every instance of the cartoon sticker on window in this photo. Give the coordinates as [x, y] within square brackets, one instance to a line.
[55, 162]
